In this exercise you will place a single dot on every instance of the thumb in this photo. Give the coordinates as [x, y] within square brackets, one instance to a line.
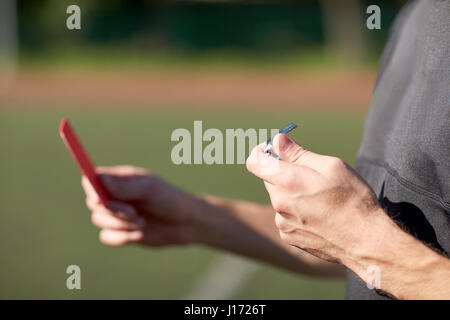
[291, 151]
[125, 188]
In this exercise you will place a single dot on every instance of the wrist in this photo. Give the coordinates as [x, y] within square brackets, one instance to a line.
[202, 211]
[213, 225]
[395, 262]
[370, 248]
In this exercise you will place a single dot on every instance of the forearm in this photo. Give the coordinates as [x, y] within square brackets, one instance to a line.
[248, 229]
[408, 268]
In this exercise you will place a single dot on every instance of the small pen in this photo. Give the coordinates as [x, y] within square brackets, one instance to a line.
[285, 130]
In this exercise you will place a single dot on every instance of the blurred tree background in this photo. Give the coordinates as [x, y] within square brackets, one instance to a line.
[256, 27]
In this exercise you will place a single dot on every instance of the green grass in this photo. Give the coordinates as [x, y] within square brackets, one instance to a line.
[45, 226]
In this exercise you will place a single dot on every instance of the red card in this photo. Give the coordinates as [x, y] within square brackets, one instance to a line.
[84, 163]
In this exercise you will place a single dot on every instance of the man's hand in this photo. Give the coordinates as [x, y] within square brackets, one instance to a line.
[324, 208]
[321, 205]
[149, 211]
[146, 209]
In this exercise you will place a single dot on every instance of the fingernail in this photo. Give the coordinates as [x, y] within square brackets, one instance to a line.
[284, 145]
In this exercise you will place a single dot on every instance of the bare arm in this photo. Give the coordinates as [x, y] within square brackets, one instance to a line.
[408, 268]
[149, 211]
[248, 229]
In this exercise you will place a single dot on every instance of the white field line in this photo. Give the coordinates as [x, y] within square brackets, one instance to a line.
[225, 276]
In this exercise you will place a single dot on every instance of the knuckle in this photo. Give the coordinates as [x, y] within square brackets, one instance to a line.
[285, 237]
[281, 223]
[88, 203]
[278, 221]
[277, 204]
[251, 160]
[298, 154]
[83, 183]
[289, 182]
[103, 237]
[335, 164]
[248, 164]
[96, 220]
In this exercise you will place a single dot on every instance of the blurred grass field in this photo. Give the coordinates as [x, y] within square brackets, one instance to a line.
[45, 226]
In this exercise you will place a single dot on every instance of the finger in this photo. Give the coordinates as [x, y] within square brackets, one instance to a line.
[276, 172]
[271, 189]
[263, 165]
[92, 204]
[121, 171]
[292, 152]
[127, 187]
[282, 223]
[103, 219]
[278, 199]
[122, 210]
[119, 209]
[91, 194]
[120, 237]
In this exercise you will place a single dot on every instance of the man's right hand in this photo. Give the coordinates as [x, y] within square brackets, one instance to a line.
[144, 209]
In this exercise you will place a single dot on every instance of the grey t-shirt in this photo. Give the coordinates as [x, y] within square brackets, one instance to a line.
[405, 151]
